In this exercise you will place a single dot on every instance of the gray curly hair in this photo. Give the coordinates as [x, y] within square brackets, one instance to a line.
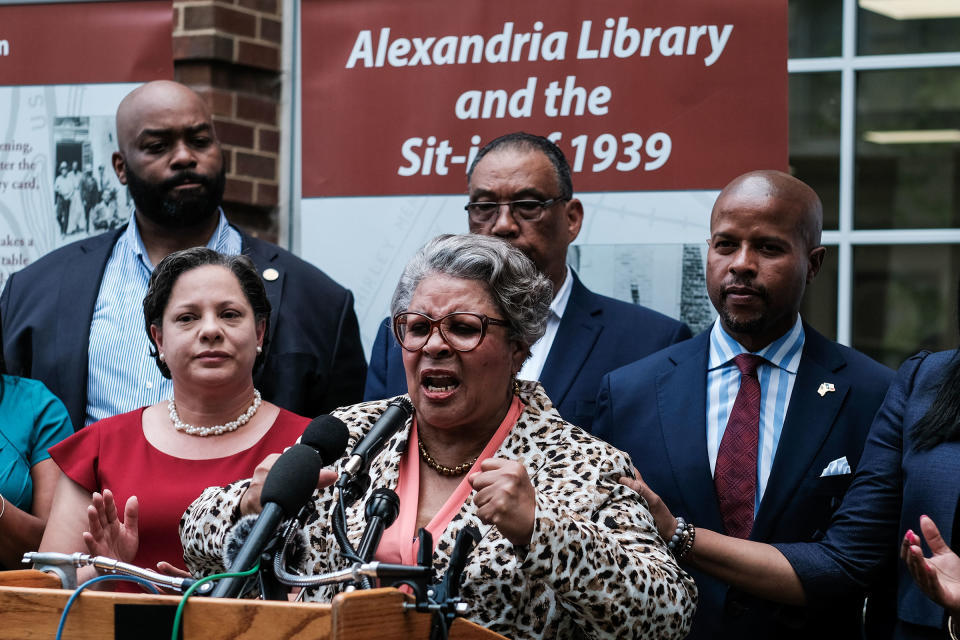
[520, 291]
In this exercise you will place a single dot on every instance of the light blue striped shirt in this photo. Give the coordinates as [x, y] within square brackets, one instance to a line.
[121, 374]
[777, 376]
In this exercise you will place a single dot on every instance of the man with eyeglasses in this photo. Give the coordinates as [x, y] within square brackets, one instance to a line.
[520, 190]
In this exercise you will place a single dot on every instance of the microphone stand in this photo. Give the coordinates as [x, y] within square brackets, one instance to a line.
[441, 600]
[447, 593]
[65, 564]
[270, 587]
[349, 489]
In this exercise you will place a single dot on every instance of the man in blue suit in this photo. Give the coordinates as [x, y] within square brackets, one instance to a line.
[676, 411]
[521, 191]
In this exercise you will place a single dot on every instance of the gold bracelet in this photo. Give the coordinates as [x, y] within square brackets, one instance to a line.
[950, 628]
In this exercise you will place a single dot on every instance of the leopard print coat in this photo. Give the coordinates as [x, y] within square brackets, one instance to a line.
[595, 564]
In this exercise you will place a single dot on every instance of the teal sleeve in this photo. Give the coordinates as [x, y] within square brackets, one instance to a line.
[51, 421]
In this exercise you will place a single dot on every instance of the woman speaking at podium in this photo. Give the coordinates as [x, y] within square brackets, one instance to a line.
[564, 546]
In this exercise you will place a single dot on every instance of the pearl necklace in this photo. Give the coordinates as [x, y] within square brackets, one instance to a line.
[458, 470]
[216, 429]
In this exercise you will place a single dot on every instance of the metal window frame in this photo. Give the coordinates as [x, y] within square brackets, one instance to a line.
[846, 237]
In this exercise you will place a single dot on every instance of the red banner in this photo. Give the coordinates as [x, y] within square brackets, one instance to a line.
[86, 42]
[640, 95]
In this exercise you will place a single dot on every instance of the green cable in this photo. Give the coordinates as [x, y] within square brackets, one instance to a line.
[174, 634]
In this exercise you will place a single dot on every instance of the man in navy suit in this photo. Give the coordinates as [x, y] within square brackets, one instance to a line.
[74, 318]
[520, 190]
[671, 411]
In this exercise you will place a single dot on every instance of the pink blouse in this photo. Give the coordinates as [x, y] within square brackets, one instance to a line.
[399, 542]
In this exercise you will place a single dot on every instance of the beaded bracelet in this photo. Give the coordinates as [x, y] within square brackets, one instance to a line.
[682, 540]
[691, 534]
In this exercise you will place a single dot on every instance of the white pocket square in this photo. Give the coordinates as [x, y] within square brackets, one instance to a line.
[838, 467]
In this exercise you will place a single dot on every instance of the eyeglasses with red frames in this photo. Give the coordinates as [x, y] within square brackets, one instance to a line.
[462, 330]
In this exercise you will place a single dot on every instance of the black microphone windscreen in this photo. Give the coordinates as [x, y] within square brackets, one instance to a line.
[328, 435]
[292, 479]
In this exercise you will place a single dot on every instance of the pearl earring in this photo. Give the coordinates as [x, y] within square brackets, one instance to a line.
[259, 349]
[162, 357]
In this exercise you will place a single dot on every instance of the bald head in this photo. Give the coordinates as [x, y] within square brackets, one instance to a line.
[169, 157]
[154, 99]
[789, 194]
[764, 251]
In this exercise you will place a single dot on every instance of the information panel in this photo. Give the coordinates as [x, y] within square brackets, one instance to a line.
[640, 95]
[656, 103]
[64, 68]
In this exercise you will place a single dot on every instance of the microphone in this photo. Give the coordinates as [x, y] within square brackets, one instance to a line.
[328, 435]
[289, 484]
[64, 566]
[381, 512]
[396, 415]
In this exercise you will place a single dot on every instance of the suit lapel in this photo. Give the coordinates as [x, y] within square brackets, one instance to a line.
[682, 404]
[809, 419]
[579, 328]
[77, 297]
[264, 256]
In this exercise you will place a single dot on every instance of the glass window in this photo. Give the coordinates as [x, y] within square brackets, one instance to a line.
[819, 306]
[880, 33]
[904, 300]
[815, 29]
[908, 149]
[815, 137]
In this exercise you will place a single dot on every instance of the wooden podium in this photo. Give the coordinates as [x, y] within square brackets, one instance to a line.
[33, 613]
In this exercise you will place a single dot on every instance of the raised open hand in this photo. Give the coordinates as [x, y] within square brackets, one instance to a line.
[106, 535]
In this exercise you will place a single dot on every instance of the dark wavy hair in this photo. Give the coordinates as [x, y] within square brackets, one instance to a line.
[941, 423]
[166, 274]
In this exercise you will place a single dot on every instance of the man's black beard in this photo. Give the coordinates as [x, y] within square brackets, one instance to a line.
[168, 208]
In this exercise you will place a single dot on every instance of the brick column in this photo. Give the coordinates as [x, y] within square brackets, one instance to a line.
[229, 52]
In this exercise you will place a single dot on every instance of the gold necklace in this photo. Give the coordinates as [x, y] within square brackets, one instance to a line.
[458, 470]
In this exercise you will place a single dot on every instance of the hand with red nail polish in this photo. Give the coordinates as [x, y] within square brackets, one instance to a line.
[939, 575]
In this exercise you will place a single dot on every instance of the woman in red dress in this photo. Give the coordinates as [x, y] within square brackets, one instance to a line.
[207, 315]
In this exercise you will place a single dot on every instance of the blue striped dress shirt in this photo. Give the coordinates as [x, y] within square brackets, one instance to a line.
[777, 376]
[121, 374]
